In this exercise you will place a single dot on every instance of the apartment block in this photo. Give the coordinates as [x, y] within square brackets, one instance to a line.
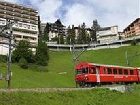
[132, 30]
[26, 27]
[56, 29]
[107, 35]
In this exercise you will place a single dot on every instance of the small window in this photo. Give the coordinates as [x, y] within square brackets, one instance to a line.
[109, 70]
[105, 70]
[85, 70]
[92, 70]
[126, 72]
[114, 71]
[131, 72]
[79, 72]
[120, 71]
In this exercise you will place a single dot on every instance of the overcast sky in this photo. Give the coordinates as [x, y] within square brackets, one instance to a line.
[107, 12]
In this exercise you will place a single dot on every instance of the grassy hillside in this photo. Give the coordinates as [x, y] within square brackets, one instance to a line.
[115, 56]
[85, 97]
[59, 73]
[61, 69]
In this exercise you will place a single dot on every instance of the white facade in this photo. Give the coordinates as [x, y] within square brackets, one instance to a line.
[52, 35]
[19, 35]
[108, 35]
[26, 27]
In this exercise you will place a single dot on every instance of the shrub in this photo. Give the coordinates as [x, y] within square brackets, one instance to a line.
[23, 63]
[23, 51]
[3, 58]
[134, 42]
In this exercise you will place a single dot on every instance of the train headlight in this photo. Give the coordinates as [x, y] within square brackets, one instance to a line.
[86, 78]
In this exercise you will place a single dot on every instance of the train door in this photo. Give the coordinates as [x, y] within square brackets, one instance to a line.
[139, 75]
[98, 74]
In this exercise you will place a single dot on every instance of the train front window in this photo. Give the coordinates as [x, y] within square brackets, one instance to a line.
[79, 72]
[85, 70]
[82, 71]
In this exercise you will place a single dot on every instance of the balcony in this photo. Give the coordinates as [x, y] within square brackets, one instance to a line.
[17, 10]
[25, 12]
[33, 18]
[17, 14]
[2, 11]
[2, 16]
[25, 16]
[9, 8]
[9, 17]
[9, 13]
[33, 13]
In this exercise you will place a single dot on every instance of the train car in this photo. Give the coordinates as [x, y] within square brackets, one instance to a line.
[91, 74]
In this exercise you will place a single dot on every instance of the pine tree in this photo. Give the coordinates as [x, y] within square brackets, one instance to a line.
[95, 27]
[82, 35]
[42, 55]
[71, 35]
[46, 32]
[61, 36]
[39, 29]
[68, 35]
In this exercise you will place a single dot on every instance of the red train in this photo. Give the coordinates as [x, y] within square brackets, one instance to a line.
[91, 74]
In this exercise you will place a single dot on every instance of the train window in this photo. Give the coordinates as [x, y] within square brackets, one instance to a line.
[105, 70]
[120, 71]
[85, 70]
[126, 72]
[131, 72]
[93, 70]
[114, 71]
[109, 70]
[79, 71]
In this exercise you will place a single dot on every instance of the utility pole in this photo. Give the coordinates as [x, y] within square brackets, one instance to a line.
[8, 36]
[9, 58]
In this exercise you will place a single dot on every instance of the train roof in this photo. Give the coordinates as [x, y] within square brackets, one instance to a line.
[113, 66]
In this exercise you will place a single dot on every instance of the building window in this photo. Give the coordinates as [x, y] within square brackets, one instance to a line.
[28, 26]
[20, 24]
[34, 27]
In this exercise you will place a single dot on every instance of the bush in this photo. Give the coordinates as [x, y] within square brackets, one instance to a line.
[134, 42]
[23, 51]
[23, 63]
[3, 58]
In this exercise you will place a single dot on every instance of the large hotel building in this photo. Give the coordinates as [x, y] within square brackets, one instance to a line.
[26, 27]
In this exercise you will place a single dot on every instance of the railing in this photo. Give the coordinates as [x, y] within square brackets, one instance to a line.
[116, 44]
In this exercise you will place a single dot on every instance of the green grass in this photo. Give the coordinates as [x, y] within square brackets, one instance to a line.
[85, 97]
[32, 77]
[62, 62]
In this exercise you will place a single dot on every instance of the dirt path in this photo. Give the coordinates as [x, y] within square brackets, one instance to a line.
[121, 88]
[43, 90]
